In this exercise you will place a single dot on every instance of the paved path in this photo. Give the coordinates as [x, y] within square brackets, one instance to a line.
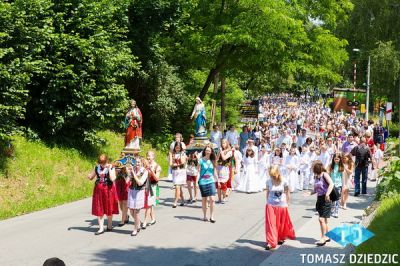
[303, 251]
[178, 238]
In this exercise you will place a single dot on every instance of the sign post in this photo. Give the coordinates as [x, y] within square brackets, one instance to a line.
[389, 110]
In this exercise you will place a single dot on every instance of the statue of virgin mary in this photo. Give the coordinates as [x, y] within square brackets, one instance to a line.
[199, 114]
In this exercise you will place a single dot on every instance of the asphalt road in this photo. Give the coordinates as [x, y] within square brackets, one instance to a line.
[179, 237]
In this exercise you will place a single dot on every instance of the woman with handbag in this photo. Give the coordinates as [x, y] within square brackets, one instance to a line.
[323, 187]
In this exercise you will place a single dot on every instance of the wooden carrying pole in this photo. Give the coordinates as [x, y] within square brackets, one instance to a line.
[213, 102]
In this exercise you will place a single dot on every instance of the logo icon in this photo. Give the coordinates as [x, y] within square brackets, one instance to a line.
[350, 234]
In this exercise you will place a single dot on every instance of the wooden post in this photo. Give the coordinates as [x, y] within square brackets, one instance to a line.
[223, 84]
[213, 102]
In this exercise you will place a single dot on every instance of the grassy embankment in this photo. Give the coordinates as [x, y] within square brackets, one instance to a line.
[386, 223]
[38, 177]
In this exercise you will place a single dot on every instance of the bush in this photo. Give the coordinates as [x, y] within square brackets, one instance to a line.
[390, 185]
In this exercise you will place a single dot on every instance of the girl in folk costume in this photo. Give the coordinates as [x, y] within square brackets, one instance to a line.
[104, 200]
[251, 183]
[133, 123]
[305, 166]
[122, 187]
[278, 225]
[191, 176]
[336, 170]
[264, 163]
[348, 166]
[136, 194]
[292, 167]
[177, 161]
[224, 164]
[154, 170]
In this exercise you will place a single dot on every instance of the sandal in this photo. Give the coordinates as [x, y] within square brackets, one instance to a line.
[320, 244]
[99, 232]
[205, 219]
[143, 226]
[268, 247]
[134, 233]
[280, 242]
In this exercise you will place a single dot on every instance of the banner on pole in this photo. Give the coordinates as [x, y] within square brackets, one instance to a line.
[389, 111]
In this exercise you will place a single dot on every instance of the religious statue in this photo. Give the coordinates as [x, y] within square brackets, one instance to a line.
[199, 113]
[133, 125]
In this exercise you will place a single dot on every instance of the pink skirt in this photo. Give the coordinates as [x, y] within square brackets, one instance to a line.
[278, 225]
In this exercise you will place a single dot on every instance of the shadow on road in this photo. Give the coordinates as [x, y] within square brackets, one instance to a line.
[147, 255]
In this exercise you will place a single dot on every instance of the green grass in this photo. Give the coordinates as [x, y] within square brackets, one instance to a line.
[386, 227]
[39, 176]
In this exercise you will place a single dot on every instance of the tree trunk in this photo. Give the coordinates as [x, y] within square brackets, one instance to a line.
[207, 84]
[223, 84]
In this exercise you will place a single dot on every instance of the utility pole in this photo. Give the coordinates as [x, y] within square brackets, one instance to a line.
[398, 107]
[368, 84]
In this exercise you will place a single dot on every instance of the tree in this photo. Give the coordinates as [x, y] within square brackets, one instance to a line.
[76, 59]
[260, 37]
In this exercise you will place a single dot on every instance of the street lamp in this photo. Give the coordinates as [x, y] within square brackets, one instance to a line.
[368, 84]
[355, 50]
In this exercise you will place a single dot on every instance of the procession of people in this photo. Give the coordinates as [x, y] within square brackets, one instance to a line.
[299, 145]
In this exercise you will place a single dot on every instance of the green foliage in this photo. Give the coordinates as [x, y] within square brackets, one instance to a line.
[385, 226]
[390, 185]
[77, 60]
[385, 68]
[54, 175]
[373, 28]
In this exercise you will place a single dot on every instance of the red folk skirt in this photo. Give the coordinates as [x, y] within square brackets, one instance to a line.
[278, 225]
[104, 201]
[229, 183]
[122, 189]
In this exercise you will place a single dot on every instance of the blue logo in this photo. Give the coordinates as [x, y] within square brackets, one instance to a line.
[350, 234]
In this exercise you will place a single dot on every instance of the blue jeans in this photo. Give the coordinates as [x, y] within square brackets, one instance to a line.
[358, 172]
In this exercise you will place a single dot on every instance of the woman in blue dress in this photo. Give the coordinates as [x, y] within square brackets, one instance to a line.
[208, 177]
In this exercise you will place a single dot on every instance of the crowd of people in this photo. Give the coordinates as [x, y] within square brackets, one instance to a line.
[299, 145]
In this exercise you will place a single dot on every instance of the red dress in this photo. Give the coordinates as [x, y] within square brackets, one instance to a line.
[104, 201]
[122, 187]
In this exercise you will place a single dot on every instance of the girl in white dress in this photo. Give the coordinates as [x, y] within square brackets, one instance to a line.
[277, 159]
[238, 168]
[250, 180]
[292, 167]
[177, 161]
[264, 163]
[305, 166]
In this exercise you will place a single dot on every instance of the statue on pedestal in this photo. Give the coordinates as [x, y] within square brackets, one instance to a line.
[133, 125]
[199, 113]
